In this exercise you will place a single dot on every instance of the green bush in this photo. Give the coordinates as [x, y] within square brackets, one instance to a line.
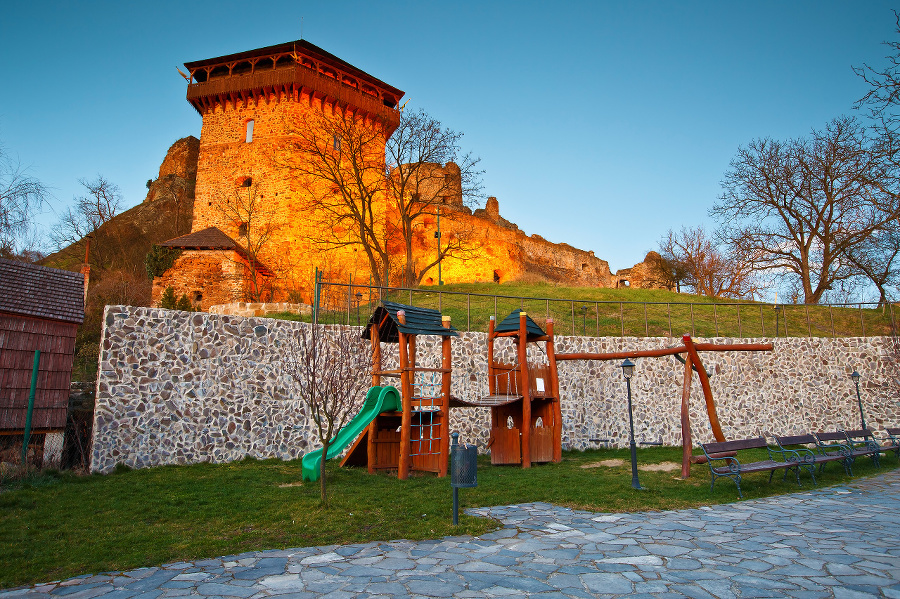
[168, 300]
[184, 303]
[159, 260]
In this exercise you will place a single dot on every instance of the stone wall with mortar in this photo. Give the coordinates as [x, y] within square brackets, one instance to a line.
[180, 387]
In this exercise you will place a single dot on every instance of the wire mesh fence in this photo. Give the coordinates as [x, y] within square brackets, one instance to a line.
[344, 303]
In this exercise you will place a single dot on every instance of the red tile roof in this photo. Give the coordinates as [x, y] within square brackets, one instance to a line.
[41, 292]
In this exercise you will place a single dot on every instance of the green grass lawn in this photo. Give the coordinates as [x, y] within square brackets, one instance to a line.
[55, 526]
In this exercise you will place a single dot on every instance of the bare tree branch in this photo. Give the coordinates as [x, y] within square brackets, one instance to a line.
[800, 206]
[329, 365]
[21, 195]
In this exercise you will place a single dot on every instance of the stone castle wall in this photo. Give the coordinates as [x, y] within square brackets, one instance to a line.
[178, 387]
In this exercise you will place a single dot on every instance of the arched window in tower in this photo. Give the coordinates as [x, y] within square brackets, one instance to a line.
[336, 142]
[248, 131]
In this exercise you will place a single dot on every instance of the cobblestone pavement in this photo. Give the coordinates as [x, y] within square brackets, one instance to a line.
[834, 542]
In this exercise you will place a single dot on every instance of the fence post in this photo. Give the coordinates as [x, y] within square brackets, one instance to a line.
[622, 317]
[716, 318]
[808, 326]
[27, 435]
[862, 321]
[574, 330]
[893, 326]
[740, 332]
[669, 314]
[349, 300]
[693, 334]
[762, 320]
[317, 290]
[468, 312]
[831, 314]
[646, 325]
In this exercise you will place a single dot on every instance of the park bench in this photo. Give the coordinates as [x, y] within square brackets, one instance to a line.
[892, 443]
[801, 445]
[864, 443]
[733, 468]
[836, 440]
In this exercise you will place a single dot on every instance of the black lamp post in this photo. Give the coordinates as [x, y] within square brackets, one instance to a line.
[855, 376]
[359, 296]
[627, 371]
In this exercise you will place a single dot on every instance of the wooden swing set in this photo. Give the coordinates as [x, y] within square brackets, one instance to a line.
[691, 364]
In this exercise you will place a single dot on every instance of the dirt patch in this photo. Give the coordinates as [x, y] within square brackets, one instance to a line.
[661, 467]
[605, 464]
[293, 484]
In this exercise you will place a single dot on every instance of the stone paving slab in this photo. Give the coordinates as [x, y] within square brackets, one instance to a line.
[839, 542]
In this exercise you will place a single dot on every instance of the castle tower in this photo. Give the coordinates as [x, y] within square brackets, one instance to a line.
[253, 104]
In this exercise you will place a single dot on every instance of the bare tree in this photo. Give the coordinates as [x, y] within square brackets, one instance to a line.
[877, 259]
[337, 158]
[427, 170]
[92, 211]
[884, 85]
[692, 255]
[329, 365]
[21, 195]
[256, 222]
[101, 203]
[799, 207]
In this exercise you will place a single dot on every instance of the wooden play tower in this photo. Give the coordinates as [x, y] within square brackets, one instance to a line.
[418, 436]
[526, 419]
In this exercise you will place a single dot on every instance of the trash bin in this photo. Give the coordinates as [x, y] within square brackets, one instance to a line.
[463, 470]
[464, 466]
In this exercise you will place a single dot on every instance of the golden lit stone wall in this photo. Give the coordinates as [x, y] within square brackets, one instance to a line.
[226, 159]
[218, 276]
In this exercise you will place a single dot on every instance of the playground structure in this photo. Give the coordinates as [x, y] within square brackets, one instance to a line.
[526, 415]
[417, 435]
[409, 430]
[691, 364]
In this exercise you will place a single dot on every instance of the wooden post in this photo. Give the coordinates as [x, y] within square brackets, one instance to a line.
[686, 443]
[406, 419]
[446, 365]
[554, 389]
[707, 392]
[376, 355]
[376, 382]
[523, 390]
[490, 358]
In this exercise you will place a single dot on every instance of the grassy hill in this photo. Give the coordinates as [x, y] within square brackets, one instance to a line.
[622, 312]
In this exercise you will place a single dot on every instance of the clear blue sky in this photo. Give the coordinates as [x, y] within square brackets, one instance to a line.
[600, 124]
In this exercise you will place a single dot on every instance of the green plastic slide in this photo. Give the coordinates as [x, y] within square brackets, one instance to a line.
[378, 400]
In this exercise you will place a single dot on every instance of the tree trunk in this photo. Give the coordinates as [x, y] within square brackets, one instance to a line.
[323, 498]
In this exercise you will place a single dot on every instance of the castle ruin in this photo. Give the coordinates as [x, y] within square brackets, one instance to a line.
[253, 236]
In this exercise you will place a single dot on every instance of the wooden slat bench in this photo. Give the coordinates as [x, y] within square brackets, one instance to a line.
[801, 445]
[734, 469]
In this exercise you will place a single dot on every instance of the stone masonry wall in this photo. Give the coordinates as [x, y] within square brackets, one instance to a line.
[179, 387]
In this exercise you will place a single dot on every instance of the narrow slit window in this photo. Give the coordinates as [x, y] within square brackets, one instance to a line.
[249, 131]
[336, 143]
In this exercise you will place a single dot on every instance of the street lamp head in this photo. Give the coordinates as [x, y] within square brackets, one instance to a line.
[855, 376]
[627, 368]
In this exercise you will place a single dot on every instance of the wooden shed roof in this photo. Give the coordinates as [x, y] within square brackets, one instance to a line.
[212, 238]
[41, 292]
